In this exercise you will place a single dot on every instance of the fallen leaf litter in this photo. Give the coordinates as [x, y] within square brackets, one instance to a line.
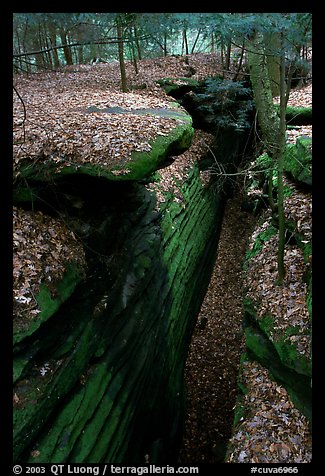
[42, 246]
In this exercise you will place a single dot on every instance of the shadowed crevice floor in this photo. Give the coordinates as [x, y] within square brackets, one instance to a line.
[217, 344]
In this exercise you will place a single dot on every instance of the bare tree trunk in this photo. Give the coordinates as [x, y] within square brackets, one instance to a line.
[284, 96]
[273, 205]
[212, 42]
[196, 40]
[120, 40]
[42, 46]
[227, 65]
[20, 67]
[272, 45]
[66, 48]
[185, 41]
[133, 55]
[165, 44]
[137, 42]
[38, 59]
[240, 62]
[47, 44]
[52, 31]
[222, 58]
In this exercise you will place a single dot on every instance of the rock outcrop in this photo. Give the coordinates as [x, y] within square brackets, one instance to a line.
[102, 379]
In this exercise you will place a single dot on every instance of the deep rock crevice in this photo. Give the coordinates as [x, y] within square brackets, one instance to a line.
[102, 378]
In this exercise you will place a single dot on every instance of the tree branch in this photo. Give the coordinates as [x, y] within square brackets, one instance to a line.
[45, 50]
[22, 101]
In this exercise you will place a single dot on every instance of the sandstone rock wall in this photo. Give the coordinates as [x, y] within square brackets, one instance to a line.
[101, 379]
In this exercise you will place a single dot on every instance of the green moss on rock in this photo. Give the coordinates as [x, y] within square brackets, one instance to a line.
[298, 160]
[145, 163]
[275, 351]
[260, 348]
[297, 116]
[287, 351]
[178, 85]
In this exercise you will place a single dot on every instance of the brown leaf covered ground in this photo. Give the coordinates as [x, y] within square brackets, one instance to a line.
[57, 118]
[50, 125]
[273, 430]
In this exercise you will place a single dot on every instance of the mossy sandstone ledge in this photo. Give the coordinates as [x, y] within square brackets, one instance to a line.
[139, 164]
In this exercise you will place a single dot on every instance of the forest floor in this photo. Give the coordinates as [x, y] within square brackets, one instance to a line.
[275, 431]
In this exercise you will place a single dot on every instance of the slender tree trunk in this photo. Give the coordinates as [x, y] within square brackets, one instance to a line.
[133, 54]
[270, 190]
[38, 59]
[52, 32]
[165, 44]
[137, 42]
[284, 95]
[19, 51]
[212, 42]
[227, 65]
[185, 41]
[28, 66]
[240, 62]
[66, 49]
[42, 46]
[120, 40]
[222, 58]
[196, 40]
[47, 46]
